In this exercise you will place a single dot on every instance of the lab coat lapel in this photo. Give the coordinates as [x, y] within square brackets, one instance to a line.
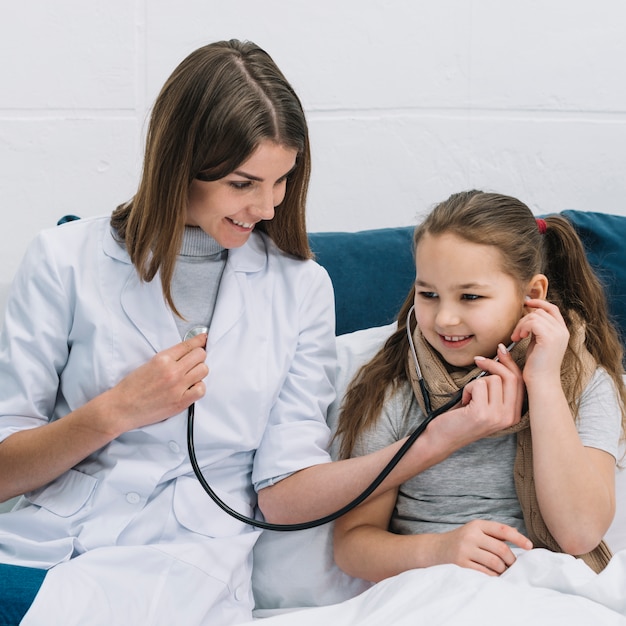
[146, 307]
[143, 302]
[231, 299]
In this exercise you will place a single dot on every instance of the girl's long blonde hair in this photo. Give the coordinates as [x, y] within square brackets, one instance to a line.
[509, 225]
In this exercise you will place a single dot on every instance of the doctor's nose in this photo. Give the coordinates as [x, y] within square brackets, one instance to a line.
[264, 208]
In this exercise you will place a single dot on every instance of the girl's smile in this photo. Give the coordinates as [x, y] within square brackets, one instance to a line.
[455, 343]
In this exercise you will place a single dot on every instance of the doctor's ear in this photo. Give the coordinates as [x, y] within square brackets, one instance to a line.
[537, 287]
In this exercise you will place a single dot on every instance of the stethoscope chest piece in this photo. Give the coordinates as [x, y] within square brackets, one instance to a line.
[195, 331]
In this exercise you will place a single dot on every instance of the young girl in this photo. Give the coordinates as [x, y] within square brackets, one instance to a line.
[488, 274]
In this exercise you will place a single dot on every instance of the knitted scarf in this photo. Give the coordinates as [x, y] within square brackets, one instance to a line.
[443, 384]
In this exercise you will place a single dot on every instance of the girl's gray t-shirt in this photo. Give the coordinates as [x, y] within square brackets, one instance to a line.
[476, 482]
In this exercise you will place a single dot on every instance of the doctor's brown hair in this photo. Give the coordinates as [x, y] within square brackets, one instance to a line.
[218, 105]
[509, 225]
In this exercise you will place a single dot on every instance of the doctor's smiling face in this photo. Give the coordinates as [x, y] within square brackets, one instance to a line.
[228, 208]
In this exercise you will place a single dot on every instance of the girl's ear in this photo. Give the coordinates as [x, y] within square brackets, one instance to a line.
[537, 287]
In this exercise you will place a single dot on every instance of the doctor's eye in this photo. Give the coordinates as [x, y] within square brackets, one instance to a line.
[470, 296]
[240, 184]
[286, 179]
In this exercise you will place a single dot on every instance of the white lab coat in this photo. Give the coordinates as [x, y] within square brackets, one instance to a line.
[130, 524]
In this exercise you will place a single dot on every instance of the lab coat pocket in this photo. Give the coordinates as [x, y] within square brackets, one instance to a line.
[197, 512]
[66, 495]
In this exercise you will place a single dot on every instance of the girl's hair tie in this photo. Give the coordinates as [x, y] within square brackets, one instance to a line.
[542, 226]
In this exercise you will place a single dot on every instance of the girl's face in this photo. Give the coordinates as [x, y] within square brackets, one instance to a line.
[230, 207]
[465, 304]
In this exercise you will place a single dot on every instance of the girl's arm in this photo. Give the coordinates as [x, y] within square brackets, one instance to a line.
[575, 484]
[364, 548]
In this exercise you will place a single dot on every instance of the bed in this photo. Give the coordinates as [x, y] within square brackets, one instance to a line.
[295, 580]
[294, 572]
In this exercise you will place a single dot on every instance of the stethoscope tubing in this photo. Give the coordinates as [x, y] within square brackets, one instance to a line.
[430, 416]
[327, 518]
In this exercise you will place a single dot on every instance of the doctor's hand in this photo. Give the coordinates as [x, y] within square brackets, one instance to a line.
[164, 386]
[495, 400]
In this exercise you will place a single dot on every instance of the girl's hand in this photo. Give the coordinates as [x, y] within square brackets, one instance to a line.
[548, 343]
[480, 545]
[164, 386]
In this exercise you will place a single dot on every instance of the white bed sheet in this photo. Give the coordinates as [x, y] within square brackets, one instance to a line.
[540, 588]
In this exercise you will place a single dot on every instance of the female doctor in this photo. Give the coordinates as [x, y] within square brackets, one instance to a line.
[96, 376]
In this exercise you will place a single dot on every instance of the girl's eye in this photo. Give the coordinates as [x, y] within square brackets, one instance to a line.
[470, 296]
[427, 294]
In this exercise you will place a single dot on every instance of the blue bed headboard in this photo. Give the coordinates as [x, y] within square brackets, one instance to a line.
[372, 270]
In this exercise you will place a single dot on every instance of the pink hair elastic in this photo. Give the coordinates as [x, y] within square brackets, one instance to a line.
[542, 226]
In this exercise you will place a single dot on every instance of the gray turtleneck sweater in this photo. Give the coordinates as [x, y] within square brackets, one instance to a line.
[196, 279]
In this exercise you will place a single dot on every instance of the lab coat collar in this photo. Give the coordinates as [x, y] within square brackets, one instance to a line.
[146, 308]
[252, 256]
[248, 259]
[111, 246]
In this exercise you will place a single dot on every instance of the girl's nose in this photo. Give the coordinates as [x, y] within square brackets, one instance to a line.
[446, 317]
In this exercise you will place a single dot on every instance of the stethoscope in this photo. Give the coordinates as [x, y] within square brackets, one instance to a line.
[430, 416]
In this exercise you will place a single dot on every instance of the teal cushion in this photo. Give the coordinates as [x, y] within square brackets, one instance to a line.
[18, 588]
[604, 238]
[371, 270]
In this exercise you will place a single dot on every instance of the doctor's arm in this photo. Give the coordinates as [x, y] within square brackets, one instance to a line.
[493, 403]
[164, 386]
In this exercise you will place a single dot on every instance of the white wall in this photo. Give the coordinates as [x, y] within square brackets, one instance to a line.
[408, 101]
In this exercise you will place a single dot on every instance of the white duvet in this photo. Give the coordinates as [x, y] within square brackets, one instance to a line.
[541, 587]
[297, 570]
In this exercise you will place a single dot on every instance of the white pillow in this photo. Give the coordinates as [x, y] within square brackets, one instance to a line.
[297, 569]
[354, 350]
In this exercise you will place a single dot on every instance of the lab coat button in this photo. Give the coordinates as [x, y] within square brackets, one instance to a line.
[133, 498]
[240, 594]
[174, 447]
